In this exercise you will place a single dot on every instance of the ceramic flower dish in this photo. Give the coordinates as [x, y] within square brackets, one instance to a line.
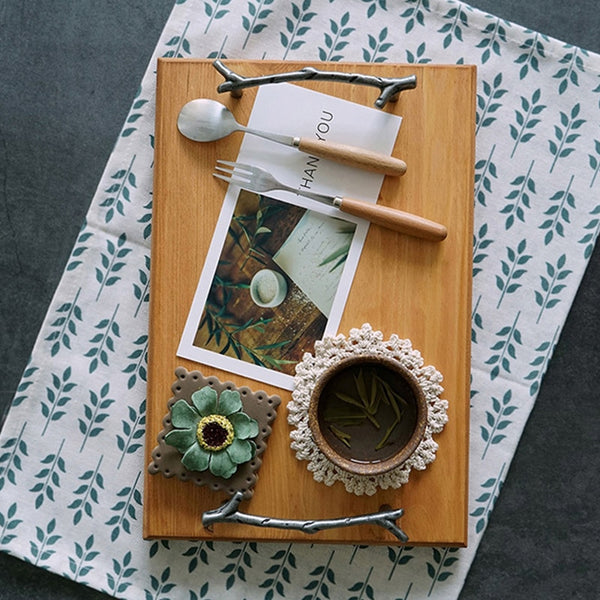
[206, 404]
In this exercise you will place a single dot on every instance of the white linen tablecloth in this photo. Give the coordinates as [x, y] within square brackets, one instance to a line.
[71, 450]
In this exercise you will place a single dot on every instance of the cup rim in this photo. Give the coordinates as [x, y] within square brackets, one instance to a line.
[281, 288]
[404, 453]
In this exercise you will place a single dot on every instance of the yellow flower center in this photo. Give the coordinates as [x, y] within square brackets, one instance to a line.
[215, 432]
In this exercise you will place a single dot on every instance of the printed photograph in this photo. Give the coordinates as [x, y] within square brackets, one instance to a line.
[275, 282]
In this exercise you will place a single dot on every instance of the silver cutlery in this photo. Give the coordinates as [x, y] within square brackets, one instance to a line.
[258, 180]
[205, 120]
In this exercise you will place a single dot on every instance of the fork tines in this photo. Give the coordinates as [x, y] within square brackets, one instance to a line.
[232, 172]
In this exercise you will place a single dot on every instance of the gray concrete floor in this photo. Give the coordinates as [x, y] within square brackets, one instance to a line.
[62, 103]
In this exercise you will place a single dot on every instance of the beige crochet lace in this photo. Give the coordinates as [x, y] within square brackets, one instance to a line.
[327, 352]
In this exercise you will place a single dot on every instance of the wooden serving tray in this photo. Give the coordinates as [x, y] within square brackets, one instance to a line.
[415, 289]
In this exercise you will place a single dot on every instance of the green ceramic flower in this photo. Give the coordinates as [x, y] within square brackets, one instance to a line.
[213, 433]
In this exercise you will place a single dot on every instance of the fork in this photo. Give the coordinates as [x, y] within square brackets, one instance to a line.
[259, 180]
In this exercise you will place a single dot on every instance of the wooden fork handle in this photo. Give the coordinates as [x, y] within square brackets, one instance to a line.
[391, 218]
[353, 156]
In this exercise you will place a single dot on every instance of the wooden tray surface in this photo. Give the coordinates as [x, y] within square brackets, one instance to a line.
[415, 289]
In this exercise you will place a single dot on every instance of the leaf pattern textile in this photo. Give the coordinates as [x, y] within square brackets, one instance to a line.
[72, 503]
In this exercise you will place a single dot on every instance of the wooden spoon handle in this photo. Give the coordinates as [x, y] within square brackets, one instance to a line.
[353, 156]
[391, 218]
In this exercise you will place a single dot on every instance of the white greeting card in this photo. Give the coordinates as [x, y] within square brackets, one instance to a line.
[308, 249]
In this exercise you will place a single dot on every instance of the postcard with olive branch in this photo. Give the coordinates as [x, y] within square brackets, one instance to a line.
[280, 266]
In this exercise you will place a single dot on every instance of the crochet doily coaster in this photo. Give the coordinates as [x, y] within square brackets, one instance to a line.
[260, 406]
[327, 352]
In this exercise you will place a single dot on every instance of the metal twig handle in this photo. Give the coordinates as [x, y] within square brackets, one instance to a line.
[228, 513]
[390, 87]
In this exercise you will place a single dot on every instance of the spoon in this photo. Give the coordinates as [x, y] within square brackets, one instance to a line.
[205, 120]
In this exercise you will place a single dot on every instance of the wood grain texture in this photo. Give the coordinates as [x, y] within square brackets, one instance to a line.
[349, 155]
[396, 220]
[413, 288]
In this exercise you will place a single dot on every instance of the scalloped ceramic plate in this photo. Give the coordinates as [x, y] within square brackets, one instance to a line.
[258, 405]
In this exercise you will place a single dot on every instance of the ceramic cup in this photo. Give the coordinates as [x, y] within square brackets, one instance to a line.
[367, 414]
[268, 288]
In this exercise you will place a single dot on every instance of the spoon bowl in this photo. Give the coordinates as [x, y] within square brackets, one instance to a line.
[205, 120]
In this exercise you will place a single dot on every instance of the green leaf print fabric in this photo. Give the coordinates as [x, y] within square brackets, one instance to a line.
[71, 451]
